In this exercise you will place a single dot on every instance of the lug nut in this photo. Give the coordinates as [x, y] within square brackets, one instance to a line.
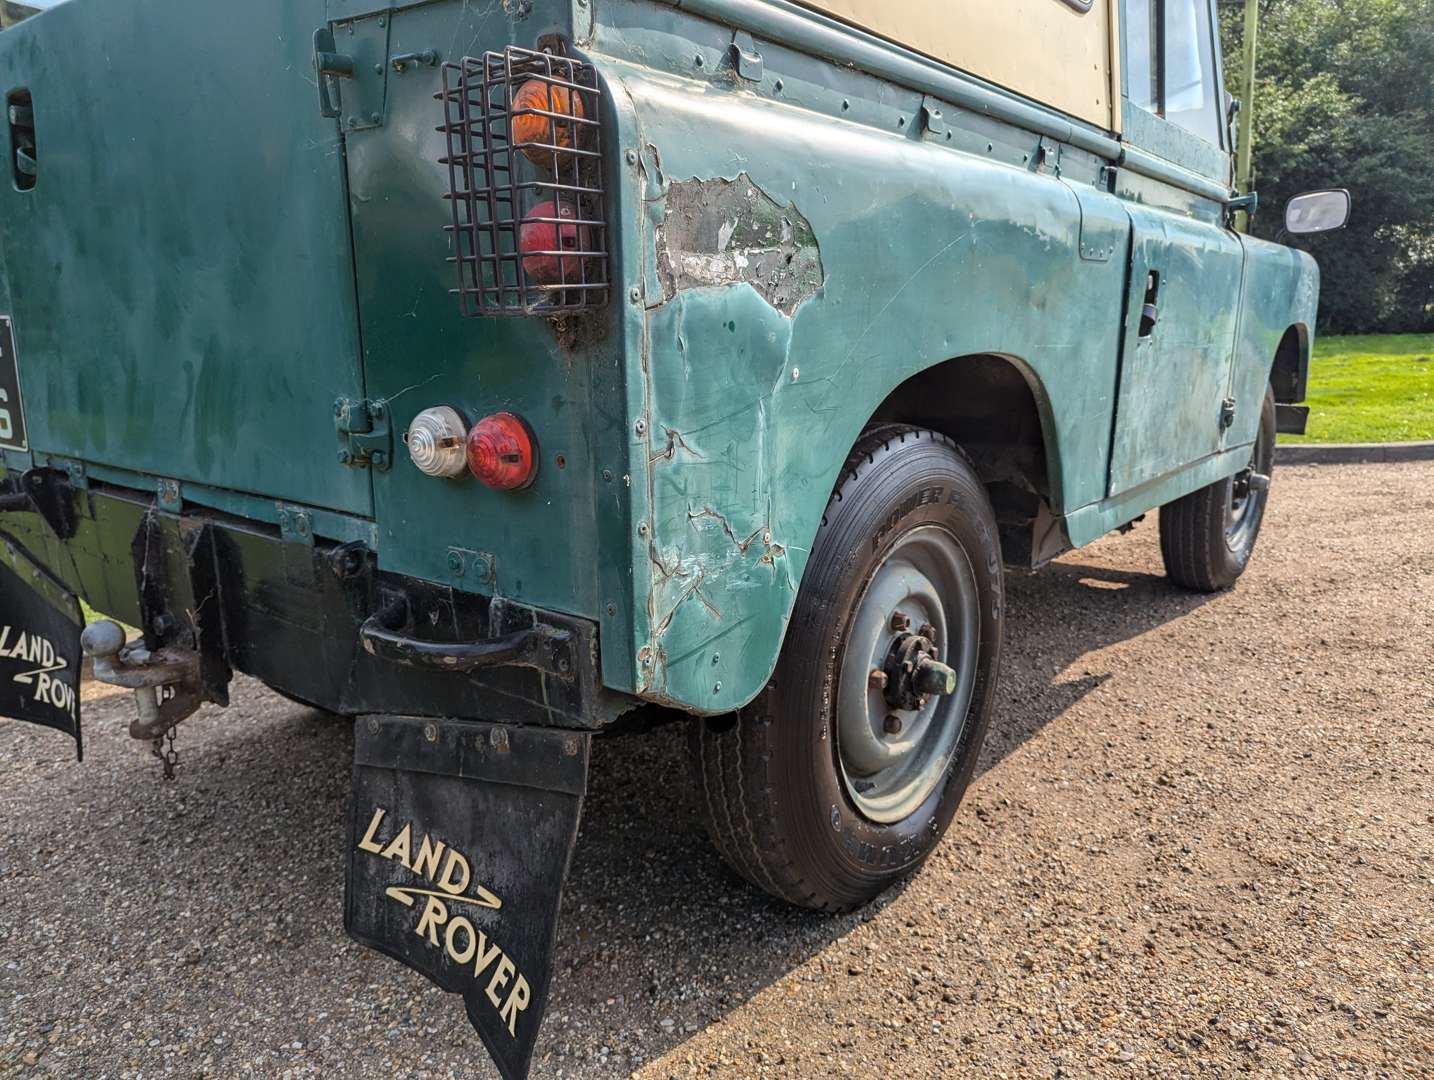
[892, 724]
[900, 622]
[928, 631]
[877, 679]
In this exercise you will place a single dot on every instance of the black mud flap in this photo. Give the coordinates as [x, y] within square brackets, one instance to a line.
[40, 624]
[460, 836]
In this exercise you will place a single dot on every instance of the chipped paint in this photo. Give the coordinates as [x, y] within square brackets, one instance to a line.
[725, 232]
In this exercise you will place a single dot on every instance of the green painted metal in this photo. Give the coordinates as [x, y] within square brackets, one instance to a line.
[690, 433]
[179, 276]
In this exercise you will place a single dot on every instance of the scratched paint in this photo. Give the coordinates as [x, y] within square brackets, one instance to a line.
[723, 232]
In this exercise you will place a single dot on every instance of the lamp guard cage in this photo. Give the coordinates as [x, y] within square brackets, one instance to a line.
[524, 158]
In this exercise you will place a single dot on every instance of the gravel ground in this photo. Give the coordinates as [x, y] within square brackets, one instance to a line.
[1202, 843]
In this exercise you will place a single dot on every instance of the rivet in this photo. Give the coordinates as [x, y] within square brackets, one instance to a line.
[455, 562]
[373, 725]
[612, 609]
[378, 69]
[642, 528]
[375, 117]
[698, 60]
[640, 427]
[717, 688]
[382, 21]
[353, 121]
[632, 157]
[777, 86]
[607, 476]
[430, 732]
[716, 658]
[634, 294]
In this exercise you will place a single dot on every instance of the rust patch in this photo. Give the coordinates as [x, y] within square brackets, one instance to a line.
[724, 232]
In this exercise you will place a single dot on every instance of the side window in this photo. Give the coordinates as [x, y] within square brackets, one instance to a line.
[1170, 63]
[1140, 60]
[1191, 99]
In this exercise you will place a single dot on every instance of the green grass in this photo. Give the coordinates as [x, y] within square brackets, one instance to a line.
[1371, 389]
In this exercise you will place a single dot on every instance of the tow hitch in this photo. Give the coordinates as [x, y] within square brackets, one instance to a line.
[166, 683]
[460, 835]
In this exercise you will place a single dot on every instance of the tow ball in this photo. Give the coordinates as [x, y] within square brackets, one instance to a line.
[165, 681]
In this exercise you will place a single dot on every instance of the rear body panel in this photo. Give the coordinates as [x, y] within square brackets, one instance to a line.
[179, 276]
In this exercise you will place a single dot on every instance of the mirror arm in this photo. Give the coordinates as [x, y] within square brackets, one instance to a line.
[1248, 203]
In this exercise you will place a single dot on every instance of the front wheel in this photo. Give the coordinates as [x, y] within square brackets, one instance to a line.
[843, 774]
[1207, 537]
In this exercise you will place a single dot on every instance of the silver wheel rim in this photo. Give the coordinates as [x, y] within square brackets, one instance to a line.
[927, 578]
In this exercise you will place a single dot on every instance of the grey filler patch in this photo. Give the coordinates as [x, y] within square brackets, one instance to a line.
[724, 232]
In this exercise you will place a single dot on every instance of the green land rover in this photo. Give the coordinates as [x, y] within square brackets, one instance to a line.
[486, 370]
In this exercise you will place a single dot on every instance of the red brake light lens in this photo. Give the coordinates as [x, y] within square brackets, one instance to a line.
[502, 452]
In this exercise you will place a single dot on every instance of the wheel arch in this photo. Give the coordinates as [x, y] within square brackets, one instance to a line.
[1289, 372]
[994, 406]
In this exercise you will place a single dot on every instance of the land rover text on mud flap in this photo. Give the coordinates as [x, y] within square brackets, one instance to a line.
[486, 372]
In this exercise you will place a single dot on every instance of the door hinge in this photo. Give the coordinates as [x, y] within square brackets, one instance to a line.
[1227, 413]
[364, 435]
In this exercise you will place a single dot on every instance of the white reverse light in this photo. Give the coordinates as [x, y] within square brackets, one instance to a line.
[435, 442]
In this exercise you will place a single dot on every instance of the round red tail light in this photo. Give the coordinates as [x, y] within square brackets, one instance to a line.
[502, 452]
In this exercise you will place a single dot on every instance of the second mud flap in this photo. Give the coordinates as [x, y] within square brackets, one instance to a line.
[460, 836]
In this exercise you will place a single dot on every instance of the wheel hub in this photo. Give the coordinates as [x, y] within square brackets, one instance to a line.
[907, 675]
[914, 671]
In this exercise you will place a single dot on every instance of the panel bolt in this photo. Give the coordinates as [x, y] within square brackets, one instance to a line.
[373, 725]
[877, 679]
[430, 732]
[892, 724]
[607, 476]
[345, 457]
[353, 121]
[375, 118]
[455, 562]
[612, 609]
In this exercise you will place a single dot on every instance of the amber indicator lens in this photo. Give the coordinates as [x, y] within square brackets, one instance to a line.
[501, 452]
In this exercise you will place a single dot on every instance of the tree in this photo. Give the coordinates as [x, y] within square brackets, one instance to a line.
[1344, 98]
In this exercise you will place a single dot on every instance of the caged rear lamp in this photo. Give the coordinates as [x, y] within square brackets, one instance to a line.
[524, 158]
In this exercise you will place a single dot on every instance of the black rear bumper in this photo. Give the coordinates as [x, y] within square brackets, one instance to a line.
[291, 610]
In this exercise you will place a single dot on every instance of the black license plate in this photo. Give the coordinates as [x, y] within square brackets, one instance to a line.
[12, 413]
[40, 624]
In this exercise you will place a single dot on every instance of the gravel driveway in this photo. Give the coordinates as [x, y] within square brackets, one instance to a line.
[1202, 843]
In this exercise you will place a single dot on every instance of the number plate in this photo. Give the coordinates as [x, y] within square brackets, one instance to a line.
[12, 416]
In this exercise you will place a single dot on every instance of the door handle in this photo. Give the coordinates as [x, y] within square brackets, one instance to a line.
[1149, 309]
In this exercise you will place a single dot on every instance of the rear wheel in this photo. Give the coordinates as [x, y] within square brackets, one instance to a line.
[1207, 537]
[843, 774]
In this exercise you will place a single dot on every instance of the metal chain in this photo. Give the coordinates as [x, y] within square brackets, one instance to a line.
[168, 758]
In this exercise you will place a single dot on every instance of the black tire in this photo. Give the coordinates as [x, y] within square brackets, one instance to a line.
[772, 788]
[1207, 537]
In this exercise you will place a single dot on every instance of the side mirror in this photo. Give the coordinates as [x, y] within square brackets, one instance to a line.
[1317, 212]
